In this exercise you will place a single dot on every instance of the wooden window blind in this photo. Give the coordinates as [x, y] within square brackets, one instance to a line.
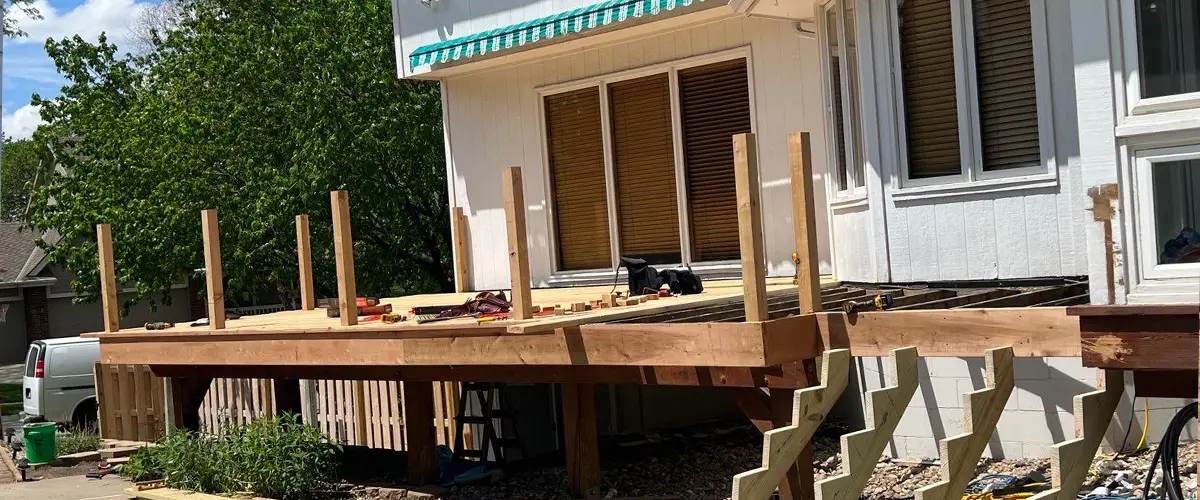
[930, 99]
[644, 169]
[576, 152]
[714, 106]
[1008, 118]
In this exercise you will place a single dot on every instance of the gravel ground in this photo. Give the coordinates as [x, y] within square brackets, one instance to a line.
[702, 465]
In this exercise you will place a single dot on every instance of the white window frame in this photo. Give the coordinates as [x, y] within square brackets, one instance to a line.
[671, 68]
[1135, 104]
[852, 192]
[972, 178]
[1145, 226]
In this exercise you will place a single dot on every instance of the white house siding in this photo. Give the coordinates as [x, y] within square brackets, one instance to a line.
[493, 121]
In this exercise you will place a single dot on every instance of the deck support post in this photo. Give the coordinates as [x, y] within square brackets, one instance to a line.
[518, 243]
[462, 258]
[343, 247]
[213, 275]
[304, 256]
[797, 482]
[580, 440]
[184, 396]
[804, 222]
[287, 396]
[108, 279]
[750, 237]
[420, 436]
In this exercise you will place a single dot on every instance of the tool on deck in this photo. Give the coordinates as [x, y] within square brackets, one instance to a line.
[159, 325]
[332, 303]
[392, 318]
[878, 302]
[334, 312]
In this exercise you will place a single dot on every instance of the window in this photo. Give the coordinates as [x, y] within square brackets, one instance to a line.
[641, 165]
[1167, 197]
[971, 93]
[1168, 33]
[838, 28]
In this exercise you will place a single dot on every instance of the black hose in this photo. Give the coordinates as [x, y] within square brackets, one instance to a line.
[1168, 452]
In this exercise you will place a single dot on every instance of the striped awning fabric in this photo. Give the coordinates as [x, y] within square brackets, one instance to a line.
[565, 23]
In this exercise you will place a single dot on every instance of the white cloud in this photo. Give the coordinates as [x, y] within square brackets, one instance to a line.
[22, 123]
[88, 20]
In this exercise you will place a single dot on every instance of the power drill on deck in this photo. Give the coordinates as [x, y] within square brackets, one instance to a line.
[878, 302]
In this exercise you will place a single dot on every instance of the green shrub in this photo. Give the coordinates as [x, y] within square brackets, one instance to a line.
[76, 442]
[142, 465]
[276, 458]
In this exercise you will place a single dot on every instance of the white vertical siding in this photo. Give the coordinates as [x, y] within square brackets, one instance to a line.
[494, 121]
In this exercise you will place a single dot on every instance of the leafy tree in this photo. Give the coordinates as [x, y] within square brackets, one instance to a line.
[24, 6]
[257, 108]
[20, 167]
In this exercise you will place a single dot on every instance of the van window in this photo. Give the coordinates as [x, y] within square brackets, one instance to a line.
[72, 360]
[31, 360]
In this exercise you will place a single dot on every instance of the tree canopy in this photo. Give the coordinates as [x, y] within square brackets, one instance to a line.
[257, 108]
[26, 7]
[19, 167]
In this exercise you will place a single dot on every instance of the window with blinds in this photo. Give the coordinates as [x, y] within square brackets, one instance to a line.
[643, 154]
[930, 99]
[714, 105]
[832, 29]
[575, 147]
[1008, 118]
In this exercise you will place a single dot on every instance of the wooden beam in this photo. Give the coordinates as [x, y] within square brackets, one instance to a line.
[1041, 331]
[462, 258]
[343, 247]
[1070, 460]
[108, 278]
[750, 238]
[804, 222]
[1140, 342]
[782, 446]
[797, 481]
[1032, 297]
[420, 436]
[308, 299]
[960, 454]
[213, 275]
[960, 300]
[518, 243]
[861, 450]
[581, 440]
[186, 396]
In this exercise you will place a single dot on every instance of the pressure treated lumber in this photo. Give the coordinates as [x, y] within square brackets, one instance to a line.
[343, 248]
[782, 446]
[960, 454]
[518, 243]
[304, 255]
[861, 450]
[1070, 460]
[750, 237]
[581, 440]
[108, 278]
[804, 222]
[420, 435]
[462, 259]
[213, 274]
[1040, 331]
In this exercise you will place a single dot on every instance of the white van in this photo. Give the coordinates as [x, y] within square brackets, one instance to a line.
[59, 383]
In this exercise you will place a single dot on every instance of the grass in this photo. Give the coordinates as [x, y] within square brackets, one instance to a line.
[76, 442]
[10, 399]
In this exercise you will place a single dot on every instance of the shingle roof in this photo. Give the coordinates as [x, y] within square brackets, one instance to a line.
[16, 249]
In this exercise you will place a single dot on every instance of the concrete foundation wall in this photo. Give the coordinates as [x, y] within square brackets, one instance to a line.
[1038, 414]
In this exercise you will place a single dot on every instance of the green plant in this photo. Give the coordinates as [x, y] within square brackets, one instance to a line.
[193, 462]
[142, 465]
[10, 393]
[76, 442]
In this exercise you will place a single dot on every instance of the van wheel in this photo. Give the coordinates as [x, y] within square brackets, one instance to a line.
[85, 417]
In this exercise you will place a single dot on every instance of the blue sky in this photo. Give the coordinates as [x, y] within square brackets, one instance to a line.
[27, 69]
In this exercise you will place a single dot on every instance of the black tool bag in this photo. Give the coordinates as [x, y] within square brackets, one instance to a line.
[681, 281]
[643, 279]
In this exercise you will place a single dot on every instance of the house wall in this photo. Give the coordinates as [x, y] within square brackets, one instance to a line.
[493, 121]
[12, 330]
[68, 319]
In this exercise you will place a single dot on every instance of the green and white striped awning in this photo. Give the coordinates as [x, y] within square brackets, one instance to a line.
[566, 23]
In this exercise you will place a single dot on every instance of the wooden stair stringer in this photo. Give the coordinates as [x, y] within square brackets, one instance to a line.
[1070, 460]
[782, 446]
[861, 450]
[960, 454]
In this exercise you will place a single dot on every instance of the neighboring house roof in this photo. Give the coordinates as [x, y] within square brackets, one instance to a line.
[20, 257]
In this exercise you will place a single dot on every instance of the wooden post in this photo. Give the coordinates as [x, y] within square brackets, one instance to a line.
[360, 411]
[286, 397]
[184, 396]
[580, 439]
[804, 221]
[213, 275]
[462, 261]
[343, 247]
[420, 437]
[304, 254]
[1070, 460]
[518, 243]
[108, 278]
[745, 169]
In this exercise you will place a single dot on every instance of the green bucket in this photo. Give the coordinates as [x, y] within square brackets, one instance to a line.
[39, 442]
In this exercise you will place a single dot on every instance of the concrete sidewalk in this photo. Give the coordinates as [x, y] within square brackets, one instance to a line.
[66, 488]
